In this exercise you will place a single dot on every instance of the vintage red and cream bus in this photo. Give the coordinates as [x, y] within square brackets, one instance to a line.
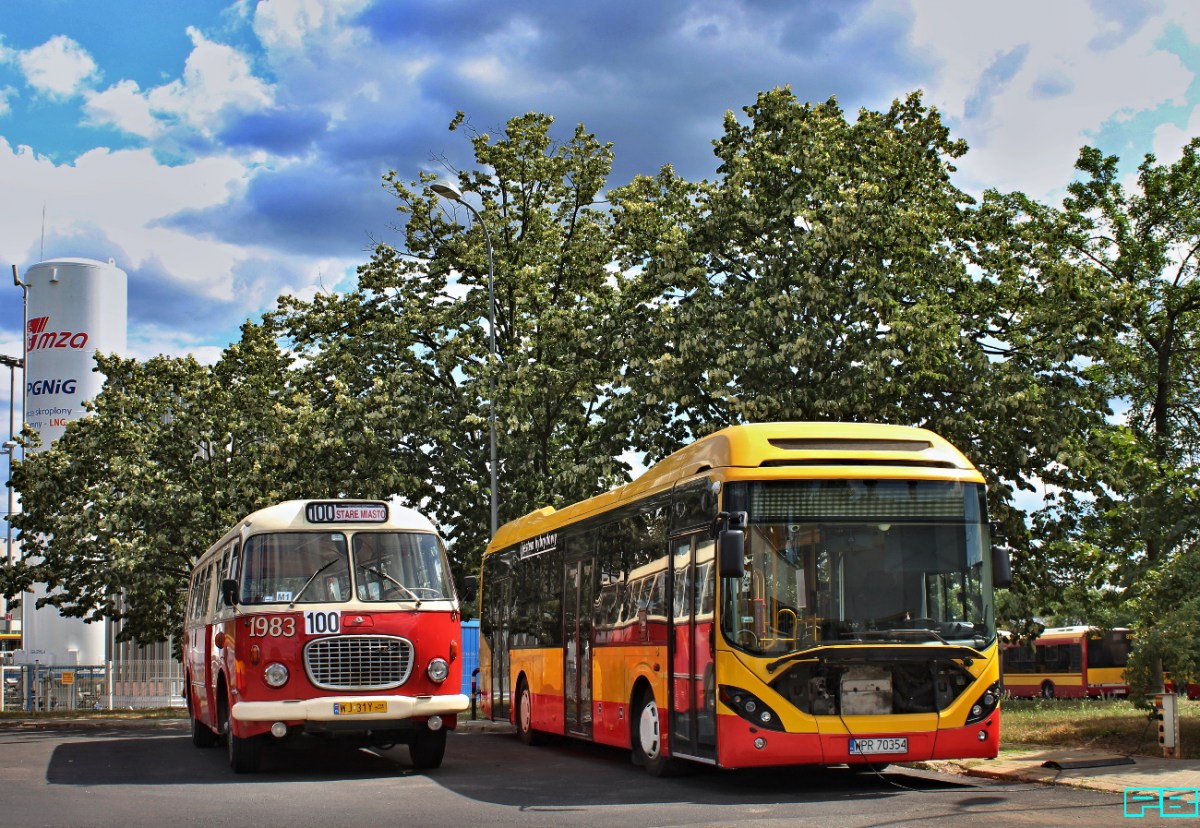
[773, 594]
[329, 618]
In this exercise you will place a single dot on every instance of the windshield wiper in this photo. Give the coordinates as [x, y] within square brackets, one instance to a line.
[412, 595]
[311, 578]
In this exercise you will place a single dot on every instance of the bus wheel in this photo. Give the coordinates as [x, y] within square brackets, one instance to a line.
[525, 731]
[647, 738]
[1047, 690]
[202, 734]
[427, 748]
[243, 753]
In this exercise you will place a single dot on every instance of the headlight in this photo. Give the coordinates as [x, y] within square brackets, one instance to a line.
[276, 675]
[438, 669]
[984, 705]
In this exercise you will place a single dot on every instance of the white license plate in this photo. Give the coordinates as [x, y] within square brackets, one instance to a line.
[869, 747]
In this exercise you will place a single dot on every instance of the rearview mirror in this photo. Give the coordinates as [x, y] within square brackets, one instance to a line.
[1001, 566]
[229, 592]
[731, 544]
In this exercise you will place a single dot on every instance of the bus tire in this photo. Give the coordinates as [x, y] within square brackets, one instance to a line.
[647, 738]
[525, 730]
[244, 754]
[427, 748]
[1047, 689]
[202, 735]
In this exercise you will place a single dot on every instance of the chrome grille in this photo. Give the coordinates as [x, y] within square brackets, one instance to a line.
[358, 662]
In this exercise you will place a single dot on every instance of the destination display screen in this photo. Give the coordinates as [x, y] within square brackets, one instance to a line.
[335, 511]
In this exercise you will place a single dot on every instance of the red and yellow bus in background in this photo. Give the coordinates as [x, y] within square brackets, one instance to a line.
[324, 617]
[1067, 663]
[773, 594]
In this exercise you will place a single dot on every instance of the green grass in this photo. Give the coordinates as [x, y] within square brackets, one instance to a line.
[142, 713]
[1109, 726]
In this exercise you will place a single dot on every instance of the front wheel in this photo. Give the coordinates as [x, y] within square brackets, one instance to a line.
[525, 731]
[1048, 690]
[648, 741]
[427, 748]
[244, 754]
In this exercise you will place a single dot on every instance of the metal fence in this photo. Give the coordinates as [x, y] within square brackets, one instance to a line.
[112, 686]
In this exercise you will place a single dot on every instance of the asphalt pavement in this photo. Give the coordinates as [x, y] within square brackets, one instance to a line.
[1175, 782]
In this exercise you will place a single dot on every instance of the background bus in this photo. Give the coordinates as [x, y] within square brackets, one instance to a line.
[330, 618]
[790, 593]
[1068, 663]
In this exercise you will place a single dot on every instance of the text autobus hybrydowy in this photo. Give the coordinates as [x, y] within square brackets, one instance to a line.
[773, 594]
[324, 617]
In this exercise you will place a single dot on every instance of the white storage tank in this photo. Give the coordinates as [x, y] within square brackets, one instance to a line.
[75, 308]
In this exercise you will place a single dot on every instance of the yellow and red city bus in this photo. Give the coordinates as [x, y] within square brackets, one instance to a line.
[772, 594]
[332, 618]
[1067, 663]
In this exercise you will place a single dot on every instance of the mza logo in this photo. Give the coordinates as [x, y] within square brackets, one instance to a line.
[42, 339]
[1167, 803]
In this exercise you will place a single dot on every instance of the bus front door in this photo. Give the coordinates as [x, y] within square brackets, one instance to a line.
[693, 689]
[577, 647]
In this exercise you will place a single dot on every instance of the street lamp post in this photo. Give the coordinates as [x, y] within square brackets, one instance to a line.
[450, 190]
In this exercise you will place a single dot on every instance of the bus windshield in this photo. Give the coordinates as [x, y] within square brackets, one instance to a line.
[315, 567]
[400, 566]
[860, 561]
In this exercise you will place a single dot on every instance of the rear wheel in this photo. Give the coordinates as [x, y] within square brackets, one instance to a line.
[1047, 690]
[244, 754]
[202, 735]
[427, 748]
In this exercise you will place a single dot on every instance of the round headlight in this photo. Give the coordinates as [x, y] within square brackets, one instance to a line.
[438, 669]
[276, 675]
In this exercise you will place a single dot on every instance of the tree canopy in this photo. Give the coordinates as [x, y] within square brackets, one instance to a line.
[832, 270]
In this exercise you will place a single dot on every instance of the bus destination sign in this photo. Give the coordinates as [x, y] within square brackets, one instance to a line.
[334, 511]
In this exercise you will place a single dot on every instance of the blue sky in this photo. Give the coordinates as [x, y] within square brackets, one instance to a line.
[224, 153]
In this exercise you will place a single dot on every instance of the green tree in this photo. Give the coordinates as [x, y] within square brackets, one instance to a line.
[834, 272]
[406, 355]
[1133, 532]
[172, 453]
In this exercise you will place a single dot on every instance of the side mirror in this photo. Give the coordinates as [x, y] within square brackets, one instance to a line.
[229, 592]
[1001, 566]
[470, 587]
[731, 544]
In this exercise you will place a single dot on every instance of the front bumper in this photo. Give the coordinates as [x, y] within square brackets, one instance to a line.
[322, 709]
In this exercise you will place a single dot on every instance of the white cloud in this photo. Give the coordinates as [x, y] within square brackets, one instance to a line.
[123, 106]
[288, 25]
[1027, 97]
[6, 92]
[59, 67]
[216, 79]
[124, 196]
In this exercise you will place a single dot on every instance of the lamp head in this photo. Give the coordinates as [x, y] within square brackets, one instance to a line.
[447, 189]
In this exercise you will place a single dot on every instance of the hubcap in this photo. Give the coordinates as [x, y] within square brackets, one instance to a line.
[526, 715]
[648, 730]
